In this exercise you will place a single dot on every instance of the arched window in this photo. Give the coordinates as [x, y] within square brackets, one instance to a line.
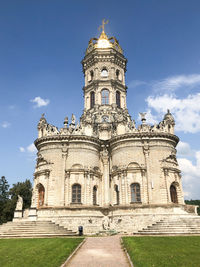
[76, 193]
[117, 74]
[104, 73]
[94, 195]
[117, 194]
[92, 99]
[135, 193]
[41, 192]
[105, 97]
[92, 74]
[173, 194]
[118, 99]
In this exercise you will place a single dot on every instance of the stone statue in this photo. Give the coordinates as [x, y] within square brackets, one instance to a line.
[143, 117]
[66, 122]
[106, 223]
[19, 205]
[73, 119]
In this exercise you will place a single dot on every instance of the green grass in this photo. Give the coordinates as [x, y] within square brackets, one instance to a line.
[48, 252]
[164, 251]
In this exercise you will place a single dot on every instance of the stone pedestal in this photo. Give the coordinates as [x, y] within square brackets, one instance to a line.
[18, 215]
[32, 214]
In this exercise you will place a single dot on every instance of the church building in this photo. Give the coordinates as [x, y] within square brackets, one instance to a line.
[102, 172]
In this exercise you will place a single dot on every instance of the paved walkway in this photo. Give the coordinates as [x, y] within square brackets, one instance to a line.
[100, 252]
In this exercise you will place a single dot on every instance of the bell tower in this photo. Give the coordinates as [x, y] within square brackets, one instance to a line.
[104, 67]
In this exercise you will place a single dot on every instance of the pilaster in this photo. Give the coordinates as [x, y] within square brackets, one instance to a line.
[64, 160]
[106, 183]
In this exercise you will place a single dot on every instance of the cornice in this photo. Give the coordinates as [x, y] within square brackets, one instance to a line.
[85, 171]
[128, 169]
[110, 55]
[145, 136]
[66, 138]
[46, 172]
[172, 169]
[95, 83]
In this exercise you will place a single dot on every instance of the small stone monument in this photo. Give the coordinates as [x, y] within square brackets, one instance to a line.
[106, 223]
[32, 210]
[19, 209]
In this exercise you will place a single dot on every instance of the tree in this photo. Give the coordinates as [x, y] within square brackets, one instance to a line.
[4, 198]
[4, 186]
[24, 189]
[8, 199]
[194, 202]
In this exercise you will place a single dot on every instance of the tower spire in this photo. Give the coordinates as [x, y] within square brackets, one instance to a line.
[103, 25]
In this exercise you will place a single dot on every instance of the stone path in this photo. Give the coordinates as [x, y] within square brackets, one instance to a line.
[100, 252]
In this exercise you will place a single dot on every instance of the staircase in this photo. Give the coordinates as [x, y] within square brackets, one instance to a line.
[189, 225]
[33, 229]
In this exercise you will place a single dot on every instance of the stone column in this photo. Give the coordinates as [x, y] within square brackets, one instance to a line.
[47, 188]
[106, 182]
[143, 191]
[64, 158]
[69, 197]
[123, 189]
[112, 191]
[91, 190]
[126, 187]
[146, 155]
[88, 187]
[120, 189]
[166, 184]
[85, 188]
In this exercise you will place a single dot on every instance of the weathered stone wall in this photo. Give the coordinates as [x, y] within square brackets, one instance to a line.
[121, 219]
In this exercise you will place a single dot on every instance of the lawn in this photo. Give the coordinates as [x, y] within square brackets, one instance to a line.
[48, 252]
[164, 251]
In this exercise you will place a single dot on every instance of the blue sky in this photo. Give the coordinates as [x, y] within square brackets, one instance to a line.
[42, 44]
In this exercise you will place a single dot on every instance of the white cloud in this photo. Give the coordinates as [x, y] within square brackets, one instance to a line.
[136, 83]
[186, 111]
[40, 102]
[175, 82]
[5, 124]
[184, 149]
[31, 148]
[191, 176]
[22, 149]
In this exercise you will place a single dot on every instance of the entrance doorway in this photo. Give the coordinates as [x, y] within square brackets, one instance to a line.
[173, 194]
[41, 192]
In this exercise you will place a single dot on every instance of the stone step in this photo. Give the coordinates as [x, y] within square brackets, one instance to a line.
[38, 228]
[174, 226]
[170, 231]
[179, 225]
[23, 227]
[35, 235]
[166, 233]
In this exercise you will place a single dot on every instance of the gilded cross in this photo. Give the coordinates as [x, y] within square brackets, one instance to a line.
[103, 24]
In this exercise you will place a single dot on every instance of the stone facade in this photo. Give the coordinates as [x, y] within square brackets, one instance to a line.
[103, 171]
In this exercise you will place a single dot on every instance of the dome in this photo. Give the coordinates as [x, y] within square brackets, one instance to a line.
[168, 116]
[103, 42]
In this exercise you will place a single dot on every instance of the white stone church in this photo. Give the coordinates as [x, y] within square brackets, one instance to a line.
[103, 172]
